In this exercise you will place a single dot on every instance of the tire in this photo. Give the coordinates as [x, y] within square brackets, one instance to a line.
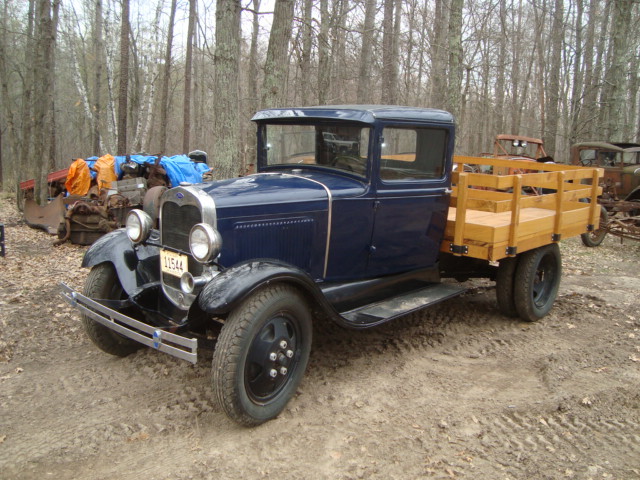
[595, 238]
[103, 283]
[504, 286]
[242, 367]
[537, 280]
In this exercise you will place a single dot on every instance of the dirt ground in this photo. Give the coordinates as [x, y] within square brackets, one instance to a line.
[457, 391]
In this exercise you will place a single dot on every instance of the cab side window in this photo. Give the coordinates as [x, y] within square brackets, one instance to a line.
[412, 154]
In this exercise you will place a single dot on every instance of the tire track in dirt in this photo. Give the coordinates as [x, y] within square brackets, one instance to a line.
[577, 440]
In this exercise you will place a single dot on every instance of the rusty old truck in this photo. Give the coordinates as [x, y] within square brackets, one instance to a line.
[358, 237]
[620, 198]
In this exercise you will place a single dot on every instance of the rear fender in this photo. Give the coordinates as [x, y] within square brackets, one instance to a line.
[228, 289]
[634, 195]
[135, 266]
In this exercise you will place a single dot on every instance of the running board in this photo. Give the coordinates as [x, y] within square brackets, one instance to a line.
[380, 312]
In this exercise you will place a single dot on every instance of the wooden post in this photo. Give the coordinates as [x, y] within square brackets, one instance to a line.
[461, 213]
[512, 247]
[594, 215]
[559, 210]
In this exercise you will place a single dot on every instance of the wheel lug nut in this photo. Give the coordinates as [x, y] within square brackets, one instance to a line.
[283, 344]
[283, 370]
[289, 353]
[273, 373]
[273, 357]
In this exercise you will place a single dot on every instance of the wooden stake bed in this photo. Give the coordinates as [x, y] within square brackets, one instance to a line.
[517, 205]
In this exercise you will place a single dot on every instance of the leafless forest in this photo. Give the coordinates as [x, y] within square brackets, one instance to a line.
[88, 77]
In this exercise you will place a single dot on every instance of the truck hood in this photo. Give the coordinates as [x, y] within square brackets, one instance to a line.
[269, 193]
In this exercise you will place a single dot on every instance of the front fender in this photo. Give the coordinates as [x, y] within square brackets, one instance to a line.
[135, 266]
[229, 288]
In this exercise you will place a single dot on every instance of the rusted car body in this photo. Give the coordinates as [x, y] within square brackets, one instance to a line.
[620, 199]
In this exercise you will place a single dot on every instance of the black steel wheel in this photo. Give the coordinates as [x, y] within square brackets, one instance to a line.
[103, 283]
[595, 237]
[505, 280]
[537, 280]
[261, 354]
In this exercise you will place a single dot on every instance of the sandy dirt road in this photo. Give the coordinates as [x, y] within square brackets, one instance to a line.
[457, 391]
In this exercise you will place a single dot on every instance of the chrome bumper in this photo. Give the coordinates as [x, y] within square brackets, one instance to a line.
[170, 343]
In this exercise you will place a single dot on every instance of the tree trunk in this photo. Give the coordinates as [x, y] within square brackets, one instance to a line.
[186, 117]
[366, 57]
[439, 54]
[455, 58]
[42, 107]
[576, 88]
[389, 61]
[124, 80]
[27, 120]
[501, 67]
[98, 49]
[164, 96]
[553, 90]
[226, 91]
[616, 75]
[324, 67]
[275, 67]
[6, 104]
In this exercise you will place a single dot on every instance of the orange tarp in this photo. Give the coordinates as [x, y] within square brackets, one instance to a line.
[78, 178]
[105, 166]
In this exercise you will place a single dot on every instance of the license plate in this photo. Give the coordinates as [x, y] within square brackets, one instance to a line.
[173, 263]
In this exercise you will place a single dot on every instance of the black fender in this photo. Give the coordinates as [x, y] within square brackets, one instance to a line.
[229, 288]
[634, 195]
[136, 266]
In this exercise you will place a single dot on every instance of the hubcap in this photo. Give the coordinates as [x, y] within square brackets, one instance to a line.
[272, 358]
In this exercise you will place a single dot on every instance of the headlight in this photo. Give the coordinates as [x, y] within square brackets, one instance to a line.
[138, 226]
[205, 242]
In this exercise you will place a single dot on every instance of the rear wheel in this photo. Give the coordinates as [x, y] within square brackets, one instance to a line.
[537, 280]
[595, 237]
[103, 283]
[504, 286]
[261, 354]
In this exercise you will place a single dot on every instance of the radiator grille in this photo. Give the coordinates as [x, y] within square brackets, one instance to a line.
[176, 225]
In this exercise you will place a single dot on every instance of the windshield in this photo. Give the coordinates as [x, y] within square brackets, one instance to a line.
[337, 146]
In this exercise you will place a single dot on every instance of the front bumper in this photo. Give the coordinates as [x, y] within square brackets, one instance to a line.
[160, 339]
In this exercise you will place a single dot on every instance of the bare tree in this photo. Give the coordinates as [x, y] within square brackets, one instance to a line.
[366, 53]
[455, 58]
[324, 65]
[553, 88]
[186, 117]
[98, 49]
[124, 79]
[164, 95]
[227, 106]
[275, 67]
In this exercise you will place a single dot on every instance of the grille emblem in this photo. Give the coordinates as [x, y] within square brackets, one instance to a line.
[180, 195]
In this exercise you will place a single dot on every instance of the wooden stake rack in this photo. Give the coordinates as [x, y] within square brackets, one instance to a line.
[500, 208]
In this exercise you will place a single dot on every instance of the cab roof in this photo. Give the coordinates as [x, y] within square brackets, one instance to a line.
[357, 113]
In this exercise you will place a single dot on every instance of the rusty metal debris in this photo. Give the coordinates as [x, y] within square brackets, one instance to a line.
[47, 217]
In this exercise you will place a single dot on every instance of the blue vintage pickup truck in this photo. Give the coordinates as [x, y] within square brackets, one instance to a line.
[358, 236]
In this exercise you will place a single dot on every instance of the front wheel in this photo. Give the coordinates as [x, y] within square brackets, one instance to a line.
[103, 283]
[261, 354]
[537, 280]
[595, 237]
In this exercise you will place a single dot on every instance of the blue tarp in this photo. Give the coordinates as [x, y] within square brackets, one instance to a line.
[179, 168]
